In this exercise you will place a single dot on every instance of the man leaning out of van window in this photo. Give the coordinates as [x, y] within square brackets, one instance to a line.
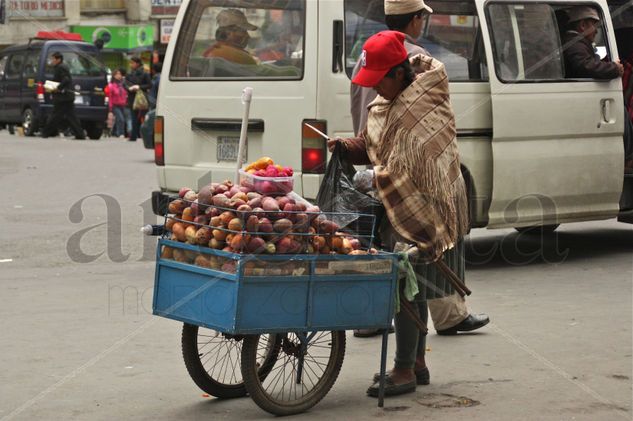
[581, 60]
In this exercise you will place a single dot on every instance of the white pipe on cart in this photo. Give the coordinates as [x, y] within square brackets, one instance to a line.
[247, 95]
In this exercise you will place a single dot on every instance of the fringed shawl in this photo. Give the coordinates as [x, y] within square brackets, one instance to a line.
[412, 144]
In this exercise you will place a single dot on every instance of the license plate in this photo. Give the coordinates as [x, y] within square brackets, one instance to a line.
[80, 99]
[228, 147]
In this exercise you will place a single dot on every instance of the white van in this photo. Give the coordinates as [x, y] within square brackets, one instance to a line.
[537, 148]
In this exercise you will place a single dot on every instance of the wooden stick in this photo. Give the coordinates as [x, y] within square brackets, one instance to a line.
[457, 283]
[406, 306]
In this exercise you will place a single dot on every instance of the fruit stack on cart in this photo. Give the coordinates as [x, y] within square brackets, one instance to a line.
[266, 285]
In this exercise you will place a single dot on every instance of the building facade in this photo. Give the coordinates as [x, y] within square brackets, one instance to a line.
[124, 27]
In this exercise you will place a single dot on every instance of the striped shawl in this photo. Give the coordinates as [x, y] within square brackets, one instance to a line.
[411, 143]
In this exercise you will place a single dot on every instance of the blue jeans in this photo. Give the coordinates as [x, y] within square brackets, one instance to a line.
[137, 116]
[128, 120]
[119, 120]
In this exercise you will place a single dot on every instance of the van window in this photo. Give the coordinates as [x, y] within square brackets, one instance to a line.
[251, 39]
[14, 66]
[80, 63]
[451, 34]
[526, 42]
[31, 64]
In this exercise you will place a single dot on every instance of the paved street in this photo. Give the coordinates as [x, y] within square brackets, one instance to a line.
[78, 341]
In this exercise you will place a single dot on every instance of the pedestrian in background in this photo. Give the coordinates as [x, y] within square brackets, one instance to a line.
[153, 92]
[118, 101]
[63, 101]
[127, 110]
[137, 80]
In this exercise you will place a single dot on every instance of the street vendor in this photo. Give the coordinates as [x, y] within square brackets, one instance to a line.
[410, 139]
[450, 314]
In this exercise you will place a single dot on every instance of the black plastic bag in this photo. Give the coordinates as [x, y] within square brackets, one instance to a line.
[337, 194]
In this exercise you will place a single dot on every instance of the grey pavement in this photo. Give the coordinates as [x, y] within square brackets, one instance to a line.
[73, 347]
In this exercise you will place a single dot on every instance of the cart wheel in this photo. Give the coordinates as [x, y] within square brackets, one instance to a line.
[213, 360]
[304, 372]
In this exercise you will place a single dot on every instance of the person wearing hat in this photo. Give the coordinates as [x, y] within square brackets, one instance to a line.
[410, 140]
[450, 314]
[406, 16]
[581, 60]
[232, 38]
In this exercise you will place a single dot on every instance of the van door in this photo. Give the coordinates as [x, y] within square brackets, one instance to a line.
[269, 46]
[557, 143]
[28, 91]
[13, 80]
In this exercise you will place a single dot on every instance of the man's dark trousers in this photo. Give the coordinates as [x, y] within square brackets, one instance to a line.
[63, 110]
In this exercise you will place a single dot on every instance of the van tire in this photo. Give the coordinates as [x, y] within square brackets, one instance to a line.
[540, 230]
[29, 122]
[11, 128]
[94, 130]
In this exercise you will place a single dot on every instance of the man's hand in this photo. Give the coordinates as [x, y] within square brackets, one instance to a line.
[331, 143]
[134, 88]
[620, 67]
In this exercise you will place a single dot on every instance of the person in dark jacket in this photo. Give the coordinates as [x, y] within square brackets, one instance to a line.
[136, 80]
[63, 101]
[153, 92]
[581, 60]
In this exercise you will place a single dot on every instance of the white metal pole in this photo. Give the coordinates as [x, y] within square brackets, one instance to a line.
[247, 95]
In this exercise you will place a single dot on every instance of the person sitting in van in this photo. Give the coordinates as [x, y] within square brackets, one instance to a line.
[232, 38]
[581, 60]
[118, 101]
[63, 101]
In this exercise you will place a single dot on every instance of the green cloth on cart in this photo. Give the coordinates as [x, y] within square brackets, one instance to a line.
[406, 274]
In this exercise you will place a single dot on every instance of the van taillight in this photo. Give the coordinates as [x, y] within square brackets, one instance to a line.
[313, 147]
[159, 147]
[40, 91]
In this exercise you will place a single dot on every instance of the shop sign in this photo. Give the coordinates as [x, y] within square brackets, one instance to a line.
[35, 8]
[165, 7]
[166, 28]
[118, 37]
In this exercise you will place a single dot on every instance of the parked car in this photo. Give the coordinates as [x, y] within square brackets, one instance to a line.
[23, 71]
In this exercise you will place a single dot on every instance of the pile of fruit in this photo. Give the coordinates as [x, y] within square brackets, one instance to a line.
[266, 177]
[239, 219]
[266, 167]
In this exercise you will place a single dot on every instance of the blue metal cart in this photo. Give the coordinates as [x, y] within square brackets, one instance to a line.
[272, 326]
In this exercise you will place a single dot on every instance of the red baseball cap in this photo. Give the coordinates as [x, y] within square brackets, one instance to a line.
[380, 53]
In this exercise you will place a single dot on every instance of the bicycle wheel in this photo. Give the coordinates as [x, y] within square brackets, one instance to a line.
[306, 368]
[213, 360]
